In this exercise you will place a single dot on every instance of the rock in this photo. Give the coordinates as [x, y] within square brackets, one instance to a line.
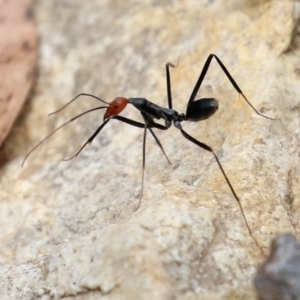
[279, 276]
[68, 228]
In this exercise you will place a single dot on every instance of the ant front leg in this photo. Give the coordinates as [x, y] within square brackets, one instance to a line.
[89, 141]
[237, 88]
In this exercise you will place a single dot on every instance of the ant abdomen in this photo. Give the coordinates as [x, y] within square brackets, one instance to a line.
[201, 109]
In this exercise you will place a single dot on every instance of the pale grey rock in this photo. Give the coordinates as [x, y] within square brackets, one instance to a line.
[279, 276]
[68, 228]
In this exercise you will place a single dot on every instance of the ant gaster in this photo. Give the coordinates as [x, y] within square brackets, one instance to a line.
[197, 110]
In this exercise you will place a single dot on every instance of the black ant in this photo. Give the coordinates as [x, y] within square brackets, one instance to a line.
[197, 110]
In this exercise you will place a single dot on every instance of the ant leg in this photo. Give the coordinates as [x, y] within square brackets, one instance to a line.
[79, 95]
[168, 78]
[237, 88]
[169, 90]
[51, 133]
[133, 123]
[143, 168]
[138, 124]
[149, 126]
[207, 148]
[160, 145]
[145, 126]
[89, 141]
[149, 122]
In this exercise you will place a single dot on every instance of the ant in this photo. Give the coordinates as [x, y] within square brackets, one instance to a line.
[197, 110]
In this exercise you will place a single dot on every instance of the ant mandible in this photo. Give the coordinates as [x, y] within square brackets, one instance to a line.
[197, 110]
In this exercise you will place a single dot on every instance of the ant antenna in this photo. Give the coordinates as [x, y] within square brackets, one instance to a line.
[79, 95]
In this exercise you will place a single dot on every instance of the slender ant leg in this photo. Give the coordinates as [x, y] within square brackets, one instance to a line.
[122, 119]
[206, 147]
[168, 78]
[148, 124]
[203, 145]
[160, 145]
[237, 88]
[143, 168]
[89, 141]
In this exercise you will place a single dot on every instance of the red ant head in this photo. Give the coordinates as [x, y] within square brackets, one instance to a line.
[115, 107]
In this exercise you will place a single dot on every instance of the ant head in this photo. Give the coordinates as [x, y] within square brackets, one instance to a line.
[115, 107]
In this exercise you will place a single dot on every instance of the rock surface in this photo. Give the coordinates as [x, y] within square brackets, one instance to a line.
[68, 229]
[279, 276]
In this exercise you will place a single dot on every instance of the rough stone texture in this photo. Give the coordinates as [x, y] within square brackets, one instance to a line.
[68, 228]
[279, 276]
